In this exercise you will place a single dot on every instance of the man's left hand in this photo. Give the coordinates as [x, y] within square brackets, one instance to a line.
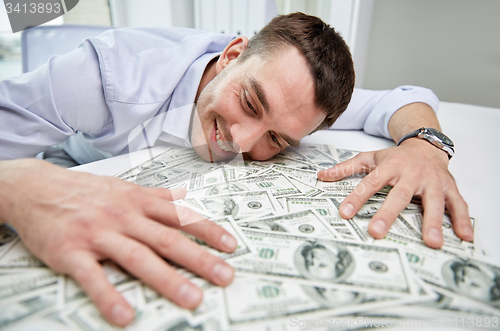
[413, 168]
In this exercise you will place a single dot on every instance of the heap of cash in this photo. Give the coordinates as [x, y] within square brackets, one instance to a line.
[299, 265]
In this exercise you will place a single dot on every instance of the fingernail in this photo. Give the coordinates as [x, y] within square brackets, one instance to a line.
[467, 230]
[223, 272]
[347, 210]
[190, 295]
[228, 242]
[434, 235]
[122, 315]
[379, 227]
[178, 193]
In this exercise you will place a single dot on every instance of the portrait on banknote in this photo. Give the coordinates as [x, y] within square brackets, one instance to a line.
[218, 207]
[226, 188]
[474, 279]
[331, 297]
[323, 261]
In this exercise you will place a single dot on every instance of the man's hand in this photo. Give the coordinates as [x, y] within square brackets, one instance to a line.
[72, 220]
[414, 168]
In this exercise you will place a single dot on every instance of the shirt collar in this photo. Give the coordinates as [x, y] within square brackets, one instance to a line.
[180, 111]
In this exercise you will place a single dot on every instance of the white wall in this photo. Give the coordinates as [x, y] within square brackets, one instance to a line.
[451, 46]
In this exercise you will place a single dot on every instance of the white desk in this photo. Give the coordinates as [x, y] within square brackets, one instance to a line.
[475, 132]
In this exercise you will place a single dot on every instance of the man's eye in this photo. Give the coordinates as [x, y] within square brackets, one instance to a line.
[273, 137]
[249, 104]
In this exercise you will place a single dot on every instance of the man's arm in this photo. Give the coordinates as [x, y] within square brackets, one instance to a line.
[414, 168]
[73, 220]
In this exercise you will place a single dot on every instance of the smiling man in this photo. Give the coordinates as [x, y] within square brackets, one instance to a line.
[220, 95]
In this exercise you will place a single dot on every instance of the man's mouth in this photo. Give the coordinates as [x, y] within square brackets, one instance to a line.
[218, 144]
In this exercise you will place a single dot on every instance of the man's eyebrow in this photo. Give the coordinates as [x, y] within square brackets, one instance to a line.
[260, 94]
[290, 141]
[263, 100]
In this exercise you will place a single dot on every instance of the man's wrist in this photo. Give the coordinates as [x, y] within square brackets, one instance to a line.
[426, 148]
[434, 137]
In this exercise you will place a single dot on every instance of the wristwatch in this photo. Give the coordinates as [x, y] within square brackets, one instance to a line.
[438, 139]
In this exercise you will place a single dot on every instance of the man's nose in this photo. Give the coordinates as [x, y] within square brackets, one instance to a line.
[246, 136]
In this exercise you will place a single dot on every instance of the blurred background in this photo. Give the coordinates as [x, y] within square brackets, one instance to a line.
[450, 46]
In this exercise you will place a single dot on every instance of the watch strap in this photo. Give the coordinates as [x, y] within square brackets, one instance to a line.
[424, 133]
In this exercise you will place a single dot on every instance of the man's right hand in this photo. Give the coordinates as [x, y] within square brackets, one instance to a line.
[72, 220]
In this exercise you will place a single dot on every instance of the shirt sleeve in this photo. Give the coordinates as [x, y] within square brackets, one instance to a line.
[44, 107]
[371, 110]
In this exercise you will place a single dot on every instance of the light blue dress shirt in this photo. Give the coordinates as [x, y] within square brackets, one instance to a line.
[127, 89]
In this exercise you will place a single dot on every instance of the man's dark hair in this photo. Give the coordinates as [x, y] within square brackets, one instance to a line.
[325, 51]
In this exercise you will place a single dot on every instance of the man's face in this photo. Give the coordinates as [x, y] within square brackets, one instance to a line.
[257, 107]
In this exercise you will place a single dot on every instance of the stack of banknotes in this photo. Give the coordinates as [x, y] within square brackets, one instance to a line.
[299, 265]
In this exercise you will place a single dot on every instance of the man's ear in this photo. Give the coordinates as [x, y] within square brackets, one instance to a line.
[231, 52]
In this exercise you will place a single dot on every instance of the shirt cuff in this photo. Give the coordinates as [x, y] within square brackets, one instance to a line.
[377, 121]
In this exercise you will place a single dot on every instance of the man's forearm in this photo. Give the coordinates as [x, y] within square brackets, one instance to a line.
[410, 118]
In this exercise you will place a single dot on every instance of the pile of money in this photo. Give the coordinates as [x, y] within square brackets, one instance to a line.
[299, 265]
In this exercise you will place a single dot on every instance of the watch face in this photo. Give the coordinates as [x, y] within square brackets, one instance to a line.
[444, 138]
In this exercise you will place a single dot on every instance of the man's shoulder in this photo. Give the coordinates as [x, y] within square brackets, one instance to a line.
[155, 37]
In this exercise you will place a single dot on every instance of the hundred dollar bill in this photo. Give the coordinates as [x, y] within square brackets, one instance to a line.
[177, 172]
[326, 209]
[446, 305]
[414, 218]
[166, 159]
[88, 318]
[346, 154]
[278, 185]
[308, 190]
[71, 294]
[329, 150]
[218, 175]
[18, 256]
[321, 159]
[28, 309]
[228, 224]
[322, 261]
[13, 285]
[271, 299]
[239, 205]
[339, 188]
[304, 223]
[289, 163]
[460, 274]
[166, 316]
[305, 176]
[8, 237]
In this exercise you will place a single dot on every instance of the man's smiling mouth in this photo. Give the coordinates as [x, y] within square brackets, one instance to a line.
[220, 146]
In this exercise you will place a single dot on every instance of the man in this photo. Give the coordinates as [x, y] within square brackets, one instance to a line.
[257, 97]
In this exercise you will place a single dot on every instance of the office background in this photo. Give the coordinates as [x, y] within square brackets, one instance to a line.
[450, 46]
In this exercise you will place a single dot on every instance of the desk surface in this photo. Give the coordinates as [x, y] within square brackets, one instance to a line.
[474, 130]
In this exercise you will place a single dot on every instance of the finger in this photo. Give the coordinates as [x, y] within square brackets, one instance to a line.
[169, 195]
[371, 184]
[432, 222]
[143, 263]
[91, 276]
[459, 214]
[214, 235]
[178, 248]
[181, 217]
[397, 200]
[362, 162]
